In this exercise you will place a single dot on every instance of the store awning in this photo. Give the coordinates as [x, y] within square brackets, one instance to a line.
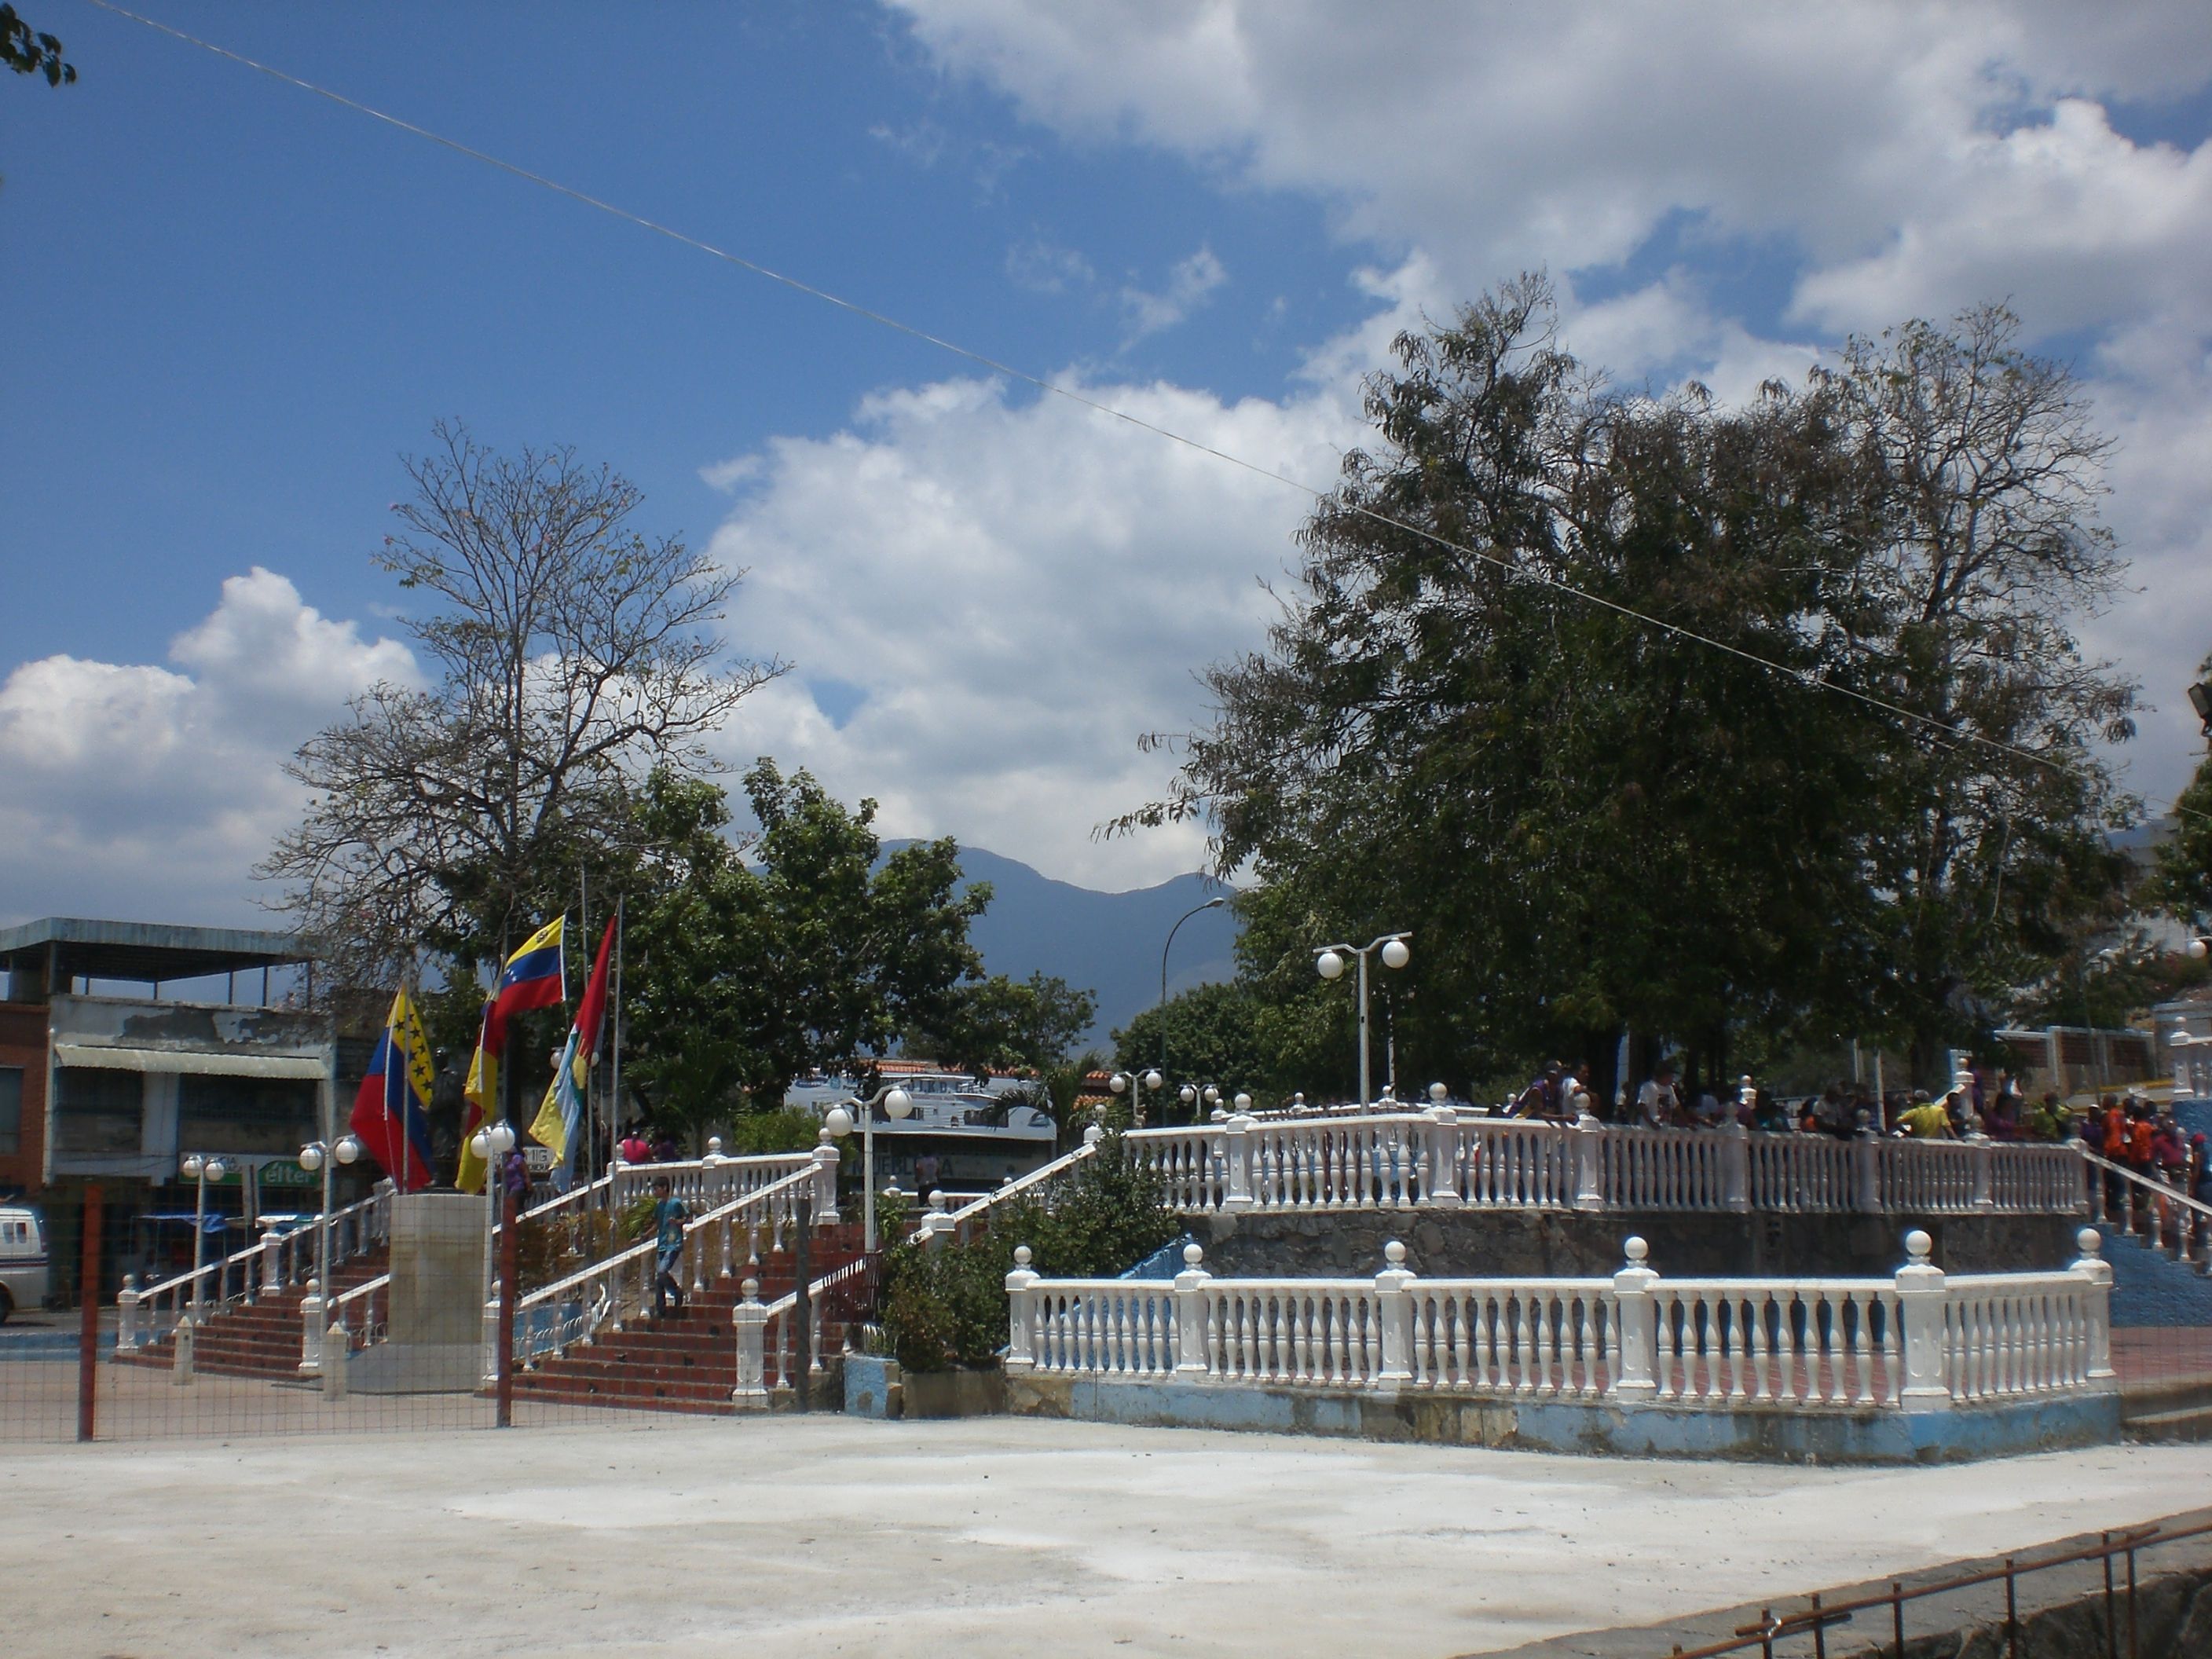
[189, 1062]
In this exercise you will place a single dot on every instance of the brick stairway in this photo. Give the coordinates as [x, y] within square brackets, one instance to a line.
[260, 1338]
[687, 1362]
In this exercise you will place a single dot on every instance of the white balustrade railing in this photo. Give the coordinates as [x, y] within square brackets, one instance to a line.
[273, 1263]
[573, 1309]
[1918, 1341]
[2154, 1212]
[766, 1335]
[1439, 1158]
[1035, 1186]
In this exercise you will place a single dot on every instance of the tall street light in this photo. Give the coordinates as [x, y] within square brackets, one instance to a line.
[897, 1104]
[1328, 961]
[313, 1156]
[491, 1145]
[200, 1168]
[1213, 903]
[1133, 1084]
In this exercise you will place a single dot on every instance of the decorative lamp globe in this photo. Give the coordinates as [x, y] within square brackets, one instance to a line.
[348, 1151]
[311, 1156]
[216, 1168]
[1186, 1094]
[898, 1103]
[1119, 1083]
[1212, 1094]
[838, 1121]
[1395, 954]
[192, 1166]
[1153, 1079]
[1329, 965]
[2199, 949]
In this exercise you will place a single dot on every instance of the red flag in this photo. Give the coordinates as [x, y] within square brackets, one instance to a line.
[591, 1013]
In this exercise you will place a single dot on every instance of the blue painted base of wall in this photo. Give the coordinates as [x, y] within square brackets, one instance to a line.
[1612, 1431]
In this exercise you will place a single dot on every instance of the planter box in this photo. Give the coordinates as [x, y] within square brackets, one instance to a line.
[955, 1394]
[872, 1387]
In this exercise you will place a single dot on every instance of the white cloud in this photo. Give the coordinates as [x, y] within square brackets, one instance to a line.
[1886, 158]
[1189, 284]
[143, 791]
[1016, 589]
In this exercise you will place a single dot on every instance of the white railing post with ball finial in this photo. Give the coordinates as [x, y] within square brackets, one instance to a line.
[1590, 1162]
[311, 1329]
[1922, 1297]
[126, 1315]
[749, 1319]
[1190, 1292]
[2093, 1267]
[1635, 1376]
[1441, 1189]
[1021, 1314]
[1394, 1311]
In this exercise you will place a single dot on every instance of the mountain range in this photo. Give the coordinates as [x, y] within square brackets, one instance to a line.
[1108, 943]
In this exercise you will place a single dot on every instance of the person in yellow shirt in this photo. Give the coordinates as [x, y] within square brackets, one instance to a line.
[1925, 1120]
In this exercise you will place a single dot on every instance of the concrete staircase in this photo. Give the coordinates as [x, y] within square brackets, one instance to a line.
[687, 1362]
[260, 1337]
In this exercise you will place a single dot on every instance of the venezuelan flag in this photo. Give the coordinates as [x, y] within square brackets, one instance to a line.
[536, 976]
[390, 1111]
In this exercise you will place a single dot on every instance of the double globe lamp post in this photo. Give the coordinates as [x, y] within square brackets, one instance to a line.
[1133, 1084]
[1328, 961]
[897, 1104]
[491, 1144]
[315, 1156]
[202, 1169]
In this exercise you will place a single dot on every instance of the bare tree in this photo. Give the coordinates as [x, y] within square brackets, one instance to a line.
[570, 655]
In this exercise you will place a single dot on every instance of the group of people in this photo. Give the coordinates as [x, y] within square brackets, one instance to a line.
[1980, 1104]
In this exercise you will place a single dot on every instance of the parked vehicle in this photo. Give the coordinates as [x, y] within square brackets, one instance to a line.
[22, 1259]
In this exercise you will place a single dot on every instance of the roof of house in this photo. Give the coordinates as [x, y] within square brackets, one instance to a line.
[146, 951]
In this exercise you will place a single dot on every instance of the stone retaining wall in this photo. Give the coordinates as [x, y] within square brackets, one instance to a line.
[1554, 1244]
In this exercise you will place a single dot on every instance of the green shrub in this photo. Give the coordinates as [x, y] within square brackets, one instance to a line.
[948, 1307]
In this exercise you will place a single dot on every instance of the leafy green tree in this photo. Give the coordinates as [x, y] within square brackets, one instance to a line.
[1576, 685]
[30, 51]
[1030, 1025]
[748, 969]
[1213, 1034]
[2183, 883]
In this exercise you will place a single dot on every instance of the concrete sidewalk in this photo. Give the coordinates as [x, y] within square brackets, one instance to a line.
[832, 1535]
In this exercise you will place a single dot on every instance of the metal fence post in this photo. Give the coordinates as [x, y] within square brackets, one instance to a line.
[510, 1293]
[802, 1310]
[88, 1296]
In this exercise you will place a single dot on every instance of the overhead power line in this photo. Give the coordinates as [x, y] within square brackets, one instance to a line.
[1943, 731]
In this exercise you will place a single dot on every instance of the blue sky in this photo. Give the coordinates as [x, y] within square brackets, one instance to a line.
[234, 305]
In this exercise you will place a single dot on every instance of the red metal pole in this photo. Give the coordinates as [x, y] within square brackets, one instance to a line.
[510, 1291]
[87, 1297]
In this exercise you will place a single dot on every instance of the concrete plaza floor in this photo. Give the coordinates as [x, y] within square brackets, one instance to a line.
[788, 1536]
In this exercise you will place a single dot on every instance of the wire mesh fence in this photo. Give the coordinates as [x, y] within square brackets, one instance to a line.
[436, 1316]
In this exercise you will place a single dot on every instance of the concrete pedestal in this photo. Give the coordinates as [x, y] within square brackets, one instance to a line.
[435, 1338]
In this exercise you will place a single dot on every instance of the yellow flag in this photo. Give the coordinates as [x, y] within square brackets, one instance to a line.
[482, 1093]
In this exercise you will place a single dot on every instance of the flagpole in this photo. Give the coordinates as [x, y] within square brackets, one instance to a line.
[614, 1077]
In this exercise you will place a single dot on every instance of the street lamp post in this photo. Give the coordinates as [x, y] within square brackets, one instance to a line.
[313, 1156]
[199, 1168]
[1133, 1084]
[1213, 903]
[897, 1104]
[1328, 961]
[491, 1145]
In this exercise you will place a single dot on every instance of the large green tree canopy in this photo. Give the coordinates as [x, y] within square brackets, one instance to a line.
[1706, 721]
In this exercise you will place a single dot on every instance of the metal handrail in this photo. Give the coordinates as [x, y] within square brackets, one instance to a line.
[1817, 1616]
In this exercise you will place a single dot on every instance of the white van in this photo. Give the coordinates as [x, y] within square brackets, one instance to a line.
[22, 1259]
